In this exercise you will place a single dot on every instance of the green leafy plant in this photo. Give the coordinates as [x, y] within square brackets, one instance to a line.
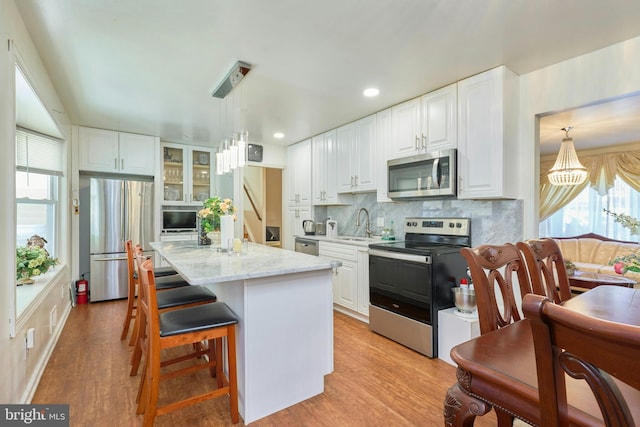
[569, 266]
[32, 261]
[213, 208]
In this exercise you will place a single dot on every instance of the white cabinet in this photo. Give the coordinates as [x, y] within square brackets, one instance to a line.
[363, 280]
[351, 279]
[298, 174]
[487, 119]
[187, 174]
[383, 140]
[293, 227]
[116, 152]
[425, 124]
[357, 156]
[324, 180]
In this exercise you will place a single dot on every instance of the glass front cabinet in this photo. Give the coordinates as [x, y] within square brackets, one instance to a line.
[187, 174]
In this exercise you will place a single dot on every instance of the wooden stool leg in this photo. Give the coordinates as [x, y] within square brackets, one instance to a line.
[139, 342]
[127, 320]
[233, 378]
[217, 370]
[152, 387]
[136, 328]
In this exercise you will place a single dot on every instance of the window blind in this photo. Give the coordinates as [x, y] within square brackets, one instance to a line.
[38, 153]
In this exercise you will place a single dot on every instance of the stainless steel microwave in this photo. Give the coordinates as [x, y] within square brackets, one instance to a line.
[423, 175]
[179, 220]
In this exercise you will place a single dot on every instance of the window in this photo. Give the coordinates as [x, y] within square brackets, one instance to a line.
[38, 170]
[585, 214]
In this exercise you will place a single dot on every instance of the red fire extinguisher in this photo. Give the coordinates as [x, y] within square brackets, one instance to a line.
[82, 290]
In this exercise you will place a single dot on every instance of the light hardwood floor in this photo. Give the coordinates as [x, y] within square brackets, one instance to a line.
[375, 382]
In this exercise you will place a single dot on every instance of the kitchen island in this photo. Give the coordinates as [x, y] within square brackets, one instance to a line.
[284, 304]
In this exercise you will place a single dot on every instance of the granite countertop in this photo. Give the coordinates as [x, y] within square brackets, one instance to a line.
[200, 265]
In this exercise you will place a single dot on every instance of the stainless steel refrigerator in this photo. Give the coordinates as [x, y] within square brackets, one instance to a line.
[119, 210]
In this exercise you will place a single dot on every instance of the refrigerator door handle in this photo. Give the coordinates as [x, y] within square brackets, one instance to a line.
[123, 210]
[110, 259]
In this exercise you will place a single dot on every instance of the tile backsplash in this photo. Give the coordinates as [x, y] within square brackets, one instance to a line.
[492, 221]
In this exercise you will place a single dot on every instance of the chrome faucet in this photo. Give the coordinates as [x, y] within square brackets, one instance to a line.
[367, 230]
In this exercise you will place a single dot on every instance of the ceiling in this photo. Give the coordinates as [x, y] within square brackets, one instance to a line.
[149, 66]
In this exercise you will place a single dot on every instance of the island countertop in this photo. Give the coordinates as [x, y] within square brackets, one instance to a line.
[201, 265]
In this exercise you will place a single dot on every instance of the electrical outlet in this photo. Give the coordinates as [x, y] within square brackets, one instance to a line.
[380, 221]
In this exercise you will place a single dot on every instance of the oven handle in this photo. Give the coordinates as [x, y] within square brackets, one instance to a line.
[423, 259]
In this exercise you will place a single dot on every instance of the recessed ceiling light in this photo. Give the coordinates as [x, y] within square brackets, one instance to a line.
[278, 135]
[370, 92]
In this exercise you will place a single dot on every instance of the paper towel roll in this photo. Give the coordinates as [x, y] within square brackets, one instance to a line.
[226, 231]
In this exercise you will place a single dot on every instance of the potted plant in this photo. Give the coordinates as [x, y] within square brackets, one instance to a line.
[32, 261]
[570, 267]
[212, 209]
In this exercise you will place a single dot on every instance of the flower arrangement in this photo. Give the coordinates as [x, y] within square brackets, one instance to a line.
[211, 211]
[32, 261]
[626, 221]
[629, 262]
[570, 267]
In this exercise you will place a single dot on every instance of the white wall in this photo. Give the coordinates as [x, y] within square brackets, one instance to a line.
[604, 74]
[21, 371]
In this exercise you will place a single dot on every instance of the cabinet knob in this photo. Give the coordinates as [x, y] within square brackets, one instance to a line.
[424, 142]
[417, 142]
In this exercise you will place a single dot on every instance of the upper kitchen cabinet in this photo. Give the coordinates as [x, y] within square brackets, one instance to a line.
[187, 174]
[357, 156]
[383, 140]
[324, 180]
[116, 152]
[424, 124]
[487, 120]
[298, 174]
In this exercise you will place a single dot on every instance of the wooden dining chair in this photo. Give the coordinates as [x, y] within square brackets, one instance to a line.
[585, 348]
[209, 322]
[495, 270]
[546, 268]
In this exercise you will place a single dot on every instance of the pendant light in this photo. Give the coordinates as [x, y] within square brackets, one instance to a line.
[567, 170]
[233, 152]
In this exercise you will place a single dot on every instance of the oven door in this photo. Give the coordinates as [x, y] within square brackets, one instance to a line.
[401, 283]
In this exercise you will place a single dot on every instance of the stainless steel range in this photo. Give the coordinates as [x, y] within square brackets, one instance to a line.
[410, 280]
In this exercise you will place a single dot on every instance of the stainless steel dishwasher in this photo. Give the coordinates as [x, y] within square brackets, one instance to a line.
[307, 246]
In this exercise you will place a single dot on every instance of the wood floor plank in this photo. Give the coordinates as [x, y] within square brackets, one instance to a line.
[376, 382]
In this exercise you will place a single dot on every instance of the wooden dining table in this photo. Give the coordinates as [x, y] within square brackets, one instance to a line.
[498, 369]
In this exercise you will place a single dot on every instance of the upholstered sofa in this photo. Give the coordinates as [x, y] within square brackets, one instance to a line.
[592, 252]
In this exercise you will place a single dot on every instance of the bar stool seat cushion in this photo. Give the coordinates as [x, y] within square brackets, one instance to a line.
[168, 282]
[164, 271]
[197, 318]
[183, 296]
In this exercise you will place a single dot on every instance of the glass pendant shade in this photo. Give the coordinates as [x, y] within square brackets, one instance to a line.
[219, 163]
[242, 149]
[233, 152]
[226, 157]
[567, 170]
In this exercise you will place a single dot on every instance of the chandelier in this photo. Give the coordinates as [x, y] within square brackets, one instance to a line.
[232, 152]
[567, 170]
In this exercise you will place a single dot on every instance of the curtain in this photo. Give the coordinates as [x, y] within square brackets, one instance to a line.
[602, 169]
